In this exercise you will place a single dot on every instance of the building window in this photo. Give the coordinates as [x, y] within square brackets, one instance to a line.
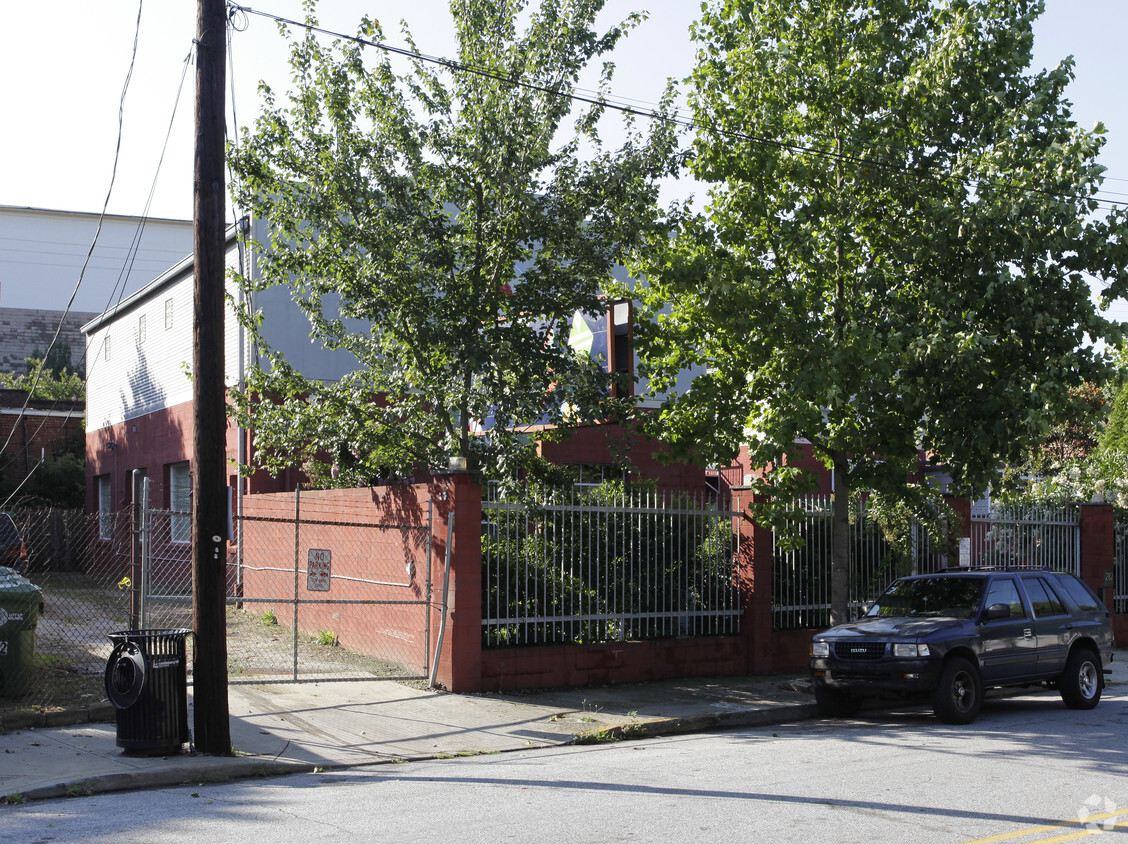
[105, 508]
[141, 329]
[106, 346]
[180, 501]
[168, 314]
[608, 339]
[594, 474]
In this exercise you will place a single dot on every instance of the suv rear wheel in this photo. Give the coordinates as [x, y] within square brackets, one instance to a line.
[1081, 684]
[959, 693]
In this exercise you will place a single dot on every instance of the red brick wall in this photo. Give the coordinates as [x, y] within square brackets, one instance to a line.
[367, 565]
[598, 444]
[1098, 548]
[29, 436]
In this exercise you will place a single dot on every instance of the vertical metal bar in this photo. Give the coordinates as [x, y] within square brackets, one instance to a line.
[297, 555]
[146, 554]
[135, 584]
[428, 562]
[1076, 567]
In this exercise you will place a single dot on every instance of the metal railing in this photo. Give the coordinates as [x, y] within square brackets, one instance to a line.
[604, 564]
[801, 576]
[1027, 537]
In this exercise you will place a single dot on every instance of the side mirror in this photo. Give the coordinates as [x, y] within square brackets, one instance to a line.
[996, 612]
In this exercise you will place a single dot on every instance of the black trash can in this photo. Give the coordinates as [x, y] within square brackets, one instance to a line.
[147, 682]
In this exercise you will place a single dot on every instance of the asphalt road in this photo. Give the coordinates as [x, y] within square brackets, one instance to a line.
[1026, 771]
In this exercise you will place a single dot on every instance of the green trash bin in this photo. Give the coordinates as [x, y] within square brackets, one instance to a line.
[21, 601]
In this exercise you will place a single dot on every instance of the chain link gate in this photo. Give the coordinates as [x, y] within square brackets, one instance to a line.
[318, 593]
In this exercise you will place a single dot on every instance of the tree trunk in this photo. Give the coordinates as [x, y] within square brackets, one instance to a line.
[840, 542]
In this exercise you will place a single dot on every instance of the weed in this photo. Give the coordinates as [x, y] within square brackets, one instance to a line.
[327, 638]
[14, 798]
[81, 789]
[268, 618]
[209, 778]
[596, 737]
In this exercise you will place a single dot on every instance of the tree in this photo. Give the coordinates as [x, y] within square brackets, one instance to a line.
[63, 384]
[57, 361]
[893, 257]
[432, 225]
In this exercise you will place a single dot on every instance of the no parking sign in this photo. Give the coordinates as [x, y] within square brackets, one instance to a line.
[318, 569]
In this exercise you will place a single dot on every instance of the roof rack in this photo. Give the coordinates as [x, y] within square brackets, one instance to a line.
[994, 568]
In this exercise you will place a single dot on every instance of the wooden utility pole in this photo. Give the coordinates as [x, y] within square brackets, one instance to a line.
[209, 441]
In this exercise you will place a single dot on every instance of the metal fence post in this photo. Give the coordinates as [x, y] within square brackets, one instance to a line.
[297, 553]
[146, 552]
[135, 584]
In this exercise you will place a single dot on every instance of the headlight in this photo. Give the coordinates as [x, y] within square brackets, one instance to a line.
[909, 649]
[820, 648]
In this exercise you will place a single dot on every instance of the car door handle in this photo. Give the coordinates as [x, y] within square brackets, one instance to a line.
[1027, 634]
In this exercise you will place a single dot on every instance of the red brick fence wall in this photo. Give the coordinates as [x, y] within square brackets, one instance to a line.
[463, 665]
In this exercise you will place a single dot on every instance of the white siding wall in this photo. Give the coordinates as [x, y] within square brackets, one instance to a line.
[142, 376]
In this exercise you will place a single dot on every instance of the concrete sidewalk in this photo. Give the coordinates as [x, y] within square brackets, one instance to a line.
[285, 728]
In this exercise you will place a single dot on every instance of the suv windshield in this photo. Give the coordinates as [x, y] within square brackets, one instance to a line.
[948, 597]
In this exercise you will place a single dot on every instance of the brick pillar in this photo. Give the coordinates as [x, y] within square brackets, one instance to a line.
[962, 509]
[460, 661]
[1098, 549]
[754, 573]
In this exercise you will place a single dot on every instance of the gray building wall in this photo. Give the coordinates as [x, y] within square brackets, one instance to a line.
[23, 330]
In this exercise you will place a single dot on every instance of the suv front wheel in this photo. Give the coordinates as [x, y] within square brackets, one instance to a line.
[1080, 686]
[959, 693]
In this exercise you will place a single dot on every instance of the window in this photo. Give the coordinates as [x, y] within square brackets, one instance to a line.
[106, 346]
[608, 339]
[105, 508]
[594, 474]
[1042, 598]
[1004, 591]
[1079, 592]
[949, 597]
[168, 314]
[180, 502]
[141, 332]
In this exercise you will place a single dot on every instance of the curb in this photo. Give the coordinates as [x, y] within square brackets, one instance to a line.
[97, 713]
[174, 776]
[224, 770]
[698, 723]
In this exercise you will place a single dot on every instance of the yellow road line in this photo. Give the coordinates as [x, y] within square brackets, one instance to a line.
[1081, 833]
[1034, 830]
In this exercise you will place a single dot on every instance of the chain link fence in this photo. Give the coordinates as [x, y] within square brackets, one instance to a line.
[81, 563]
[358, 610]
[329, 590]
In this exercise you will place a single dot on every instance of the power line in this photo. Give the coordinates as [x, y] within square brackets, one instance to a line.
[90, 251]
[131, 252]
[671, 118]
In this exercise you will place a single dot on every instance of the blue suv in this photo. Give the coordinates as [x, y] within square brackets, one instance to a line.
[954, 633]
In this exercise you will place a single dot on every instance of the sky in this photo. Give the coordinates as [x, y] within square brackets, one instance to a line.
[64, 66]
